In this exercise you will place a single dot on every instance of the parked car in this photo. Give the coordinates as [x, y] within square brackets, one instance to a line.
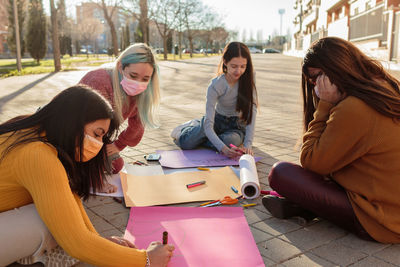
[270, 50]
[206, 51]
[254, 50]
[187, 51]
[85, 51]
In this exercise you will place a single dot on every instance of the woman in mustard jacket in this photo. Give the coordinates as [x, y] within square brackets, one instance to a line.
[48, 162]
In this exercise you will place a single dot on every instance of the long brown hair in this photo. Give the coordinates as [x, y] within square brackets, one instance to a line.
[247, 93]
[62, 121]
[353, 73]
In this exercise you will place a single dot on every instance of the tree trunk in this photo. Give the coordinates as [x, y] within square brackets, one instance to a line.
[56, 41]
[180, 45]
[17, 41]
[144, 21]
[191, 44]
[114, 37]
[165, 37]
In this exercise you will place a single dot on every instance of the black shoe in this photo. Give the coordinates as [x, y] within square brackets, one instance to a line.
[282, 208]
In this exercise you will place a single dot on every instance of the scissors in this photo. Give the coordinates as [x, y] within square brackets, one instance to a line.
[225, 201]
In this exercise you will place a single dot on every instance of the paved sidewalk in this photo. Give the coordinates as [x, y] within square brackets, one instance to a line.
[278, 131]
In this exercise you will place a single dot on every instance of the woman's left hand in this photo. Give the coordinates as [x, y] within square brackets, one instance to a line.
[328, 91]
[233, 153]
[121, 241]
[111, 149]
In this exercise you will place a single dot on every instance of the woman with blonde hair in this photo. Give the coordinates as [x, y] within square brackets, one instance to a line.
[132, 87]
[350, 171]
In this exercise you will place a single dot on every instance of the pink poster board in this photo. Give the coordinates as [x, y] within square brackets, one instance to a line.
[195, 158]
[217, 236]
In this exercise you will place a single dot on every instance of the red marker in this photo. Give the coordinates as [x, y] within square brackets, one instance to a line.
[272, 193]
[195, 184]
[233, 146]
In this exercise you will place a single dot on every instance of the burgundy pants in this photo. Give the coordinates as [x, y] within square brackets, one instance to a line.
[315, 193]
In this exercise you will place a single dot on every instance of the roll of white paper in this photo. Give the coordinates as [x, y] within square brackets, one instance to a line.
[249, 183]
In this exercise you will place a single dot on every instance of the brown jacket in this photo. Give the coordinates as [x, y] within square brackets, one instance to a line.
[361, 149]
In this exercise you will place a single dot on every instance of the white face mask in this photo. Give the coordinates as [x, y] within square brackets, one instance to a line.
[132, 87]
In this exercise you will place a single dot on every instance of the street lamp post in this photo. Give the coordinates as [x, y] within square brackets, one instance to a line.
[281, 12]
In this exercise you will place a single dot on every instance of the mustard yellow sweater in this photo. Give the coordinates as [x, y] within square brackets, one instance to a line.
[33, 173]
[361, 148]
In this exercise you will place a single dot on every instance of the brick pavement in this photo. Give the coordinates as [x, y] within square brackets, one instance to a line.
[278, 129]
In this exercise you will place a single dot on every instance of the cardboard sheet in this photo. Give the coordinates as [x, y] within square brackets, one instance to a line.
[171, 188]
[195, 158]
[201, 236]
[115, 179]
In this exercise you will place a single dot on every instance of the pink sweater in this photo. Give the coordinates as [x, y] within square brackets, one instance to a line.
[100, 80]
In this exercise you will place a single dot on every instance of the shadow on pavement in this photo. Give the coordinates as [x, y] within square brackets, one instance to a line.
[196, 63]
[13, 95]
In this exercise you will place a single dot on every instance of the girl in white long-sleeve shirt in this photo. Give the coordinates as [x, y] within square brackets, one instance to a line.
[231, 108]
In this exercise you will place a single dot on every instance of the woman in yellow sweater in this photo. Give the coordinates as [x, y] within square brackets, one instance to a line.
[350, 155]
[48, 162]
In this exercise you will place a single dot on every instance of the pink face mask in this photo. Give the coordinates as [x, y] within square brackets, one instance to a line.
[132, 87]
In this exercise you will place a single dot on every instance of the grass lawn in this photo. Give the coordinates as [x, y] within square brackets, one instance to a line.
[8, 67]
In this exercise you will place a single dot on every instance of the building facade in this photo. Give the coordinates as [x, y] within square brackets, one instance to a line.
[372, 25]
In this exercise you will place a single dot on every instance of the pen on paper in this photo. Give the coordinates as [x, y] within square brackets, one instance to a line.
[195, 184]
[234, 189]
[140, 163]
[165, 237]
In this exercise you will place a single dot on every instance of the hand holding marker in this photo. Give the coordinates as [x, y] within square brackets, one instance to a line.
[236, 148]
[165, 237]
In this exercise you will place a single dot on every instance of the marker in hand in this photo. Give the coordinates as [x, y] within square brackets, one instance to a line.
[165, 237]
[237, 149]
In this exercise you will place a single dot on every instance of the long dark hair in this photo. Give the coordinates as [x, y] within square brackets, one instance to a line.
[247, 93]
[353, 73]
[61, 123]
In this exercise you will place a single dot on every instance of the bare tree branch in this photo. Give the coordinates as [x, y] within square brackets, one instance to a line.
[109, 8]
[165, 15]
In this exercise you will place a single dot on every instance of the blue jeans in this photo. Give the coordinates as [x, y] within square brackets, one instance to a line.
[229, 129]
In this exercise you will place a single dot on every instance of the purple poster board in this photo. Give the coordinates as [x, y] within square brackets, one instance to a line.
[195, 158]
[201, 236]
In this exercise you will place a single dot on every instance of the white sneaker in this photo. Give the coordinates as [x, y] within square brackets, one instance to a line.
[176, 132]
